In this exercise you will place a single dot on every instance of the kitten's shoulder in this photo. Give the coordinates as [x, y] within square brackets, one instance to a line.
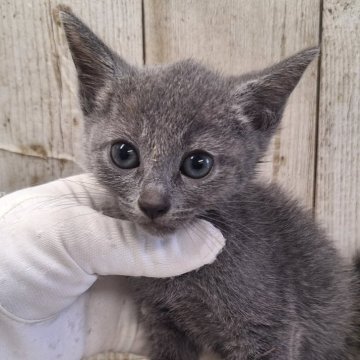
[269, 209]
[272, 198]
[290, 225]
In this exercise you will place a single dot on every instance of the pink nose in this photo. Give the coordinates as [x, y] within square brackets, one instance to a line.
[154, 204]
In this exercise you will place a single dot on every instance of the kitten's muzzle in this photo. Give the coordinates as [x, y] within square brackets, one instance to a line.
[154, 204]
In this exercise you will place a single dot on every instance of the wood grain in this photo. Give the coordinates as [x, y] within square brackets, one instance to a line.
[40, 120]
[237, 36]
[338, 172]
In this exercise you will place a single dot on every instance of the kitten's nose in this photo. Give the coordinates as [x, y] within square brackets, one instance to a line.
[153, 203]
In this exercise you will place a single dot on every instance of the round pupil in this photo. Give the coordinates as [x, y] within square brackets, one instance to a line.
[125, 152]
[198, 162]
[124, 155]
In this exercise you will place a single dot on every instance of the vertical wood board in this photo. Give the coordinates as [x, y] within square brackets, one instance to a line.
[338, 172]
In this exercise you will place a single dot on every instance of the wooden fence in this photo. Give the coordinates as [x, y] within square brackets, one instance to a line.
[316, 154]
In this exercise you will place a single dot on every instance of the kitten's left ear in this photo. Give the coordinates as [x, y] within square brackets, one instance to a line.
[96, 64]
[262, 96]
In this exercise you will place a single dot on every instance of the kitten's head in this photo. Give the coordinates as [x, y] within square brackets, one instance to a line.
[173, 141]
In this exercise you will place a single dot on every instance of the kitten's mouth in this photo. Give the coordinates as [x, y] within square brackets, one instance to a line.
[163, 225]
[150, 226]
[155, 228]
[160, 226]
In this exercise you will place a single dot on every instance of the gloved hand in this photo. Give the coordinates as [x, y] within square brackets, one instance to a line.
[55, 242]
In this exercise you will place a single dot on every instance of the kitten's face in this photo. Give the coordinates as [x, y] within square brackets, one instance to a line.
[192, 152]
[173, 142]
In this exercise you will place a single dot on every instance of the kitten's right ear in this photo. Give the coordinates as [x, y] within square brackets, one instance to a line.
[263, 95]
[95, 62]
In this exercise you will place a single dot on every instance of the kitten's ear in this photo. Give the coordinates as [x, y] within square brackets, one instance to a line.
[95, 62]
[262, 96]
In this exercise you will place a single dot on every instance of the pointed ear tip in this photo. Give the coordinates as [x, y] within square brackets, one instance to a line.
[310, 53]
[64, 10]
[314, 50]
[65, 14]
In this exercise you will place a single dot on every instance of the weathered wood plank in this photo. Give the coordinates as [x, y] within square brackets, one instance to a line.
[338, 173]
[39, 114]
[23, 172]
[238, 36]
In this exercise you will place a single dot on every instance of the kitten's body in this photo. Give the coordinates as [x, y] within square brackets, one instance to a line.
[278, 290]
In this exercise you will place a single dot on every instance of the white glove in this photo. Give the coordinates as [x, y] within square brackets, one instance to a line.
[54, 242]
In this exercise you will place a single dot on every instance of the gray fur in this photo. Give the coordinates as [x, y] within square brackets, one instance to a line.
[278, 290]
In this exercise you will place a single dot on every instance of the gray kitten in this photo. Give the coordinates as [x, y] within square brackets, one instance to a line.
[179, 142]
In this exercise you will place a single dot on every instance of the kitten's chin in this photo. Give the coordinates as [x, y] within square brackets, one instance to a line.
[162, 226]
[158, 229]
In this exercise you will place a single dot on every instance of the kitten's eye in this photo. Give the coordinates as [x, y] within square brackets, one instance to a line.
[197, 165]
[124, 155]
